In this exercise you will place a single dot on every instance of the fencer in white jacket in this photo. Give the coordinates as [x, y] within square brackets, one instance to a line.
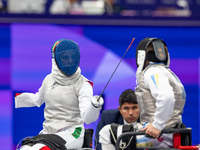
[160, 95]
[68, 98]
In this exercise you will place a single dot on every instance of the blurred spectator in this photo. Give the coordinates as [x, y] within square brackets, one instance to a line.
[61, 7]
[100, 7]
[109, 6]
[112, 7]
[27, 6]
[3, 6]
[93, 7]
[66, 7]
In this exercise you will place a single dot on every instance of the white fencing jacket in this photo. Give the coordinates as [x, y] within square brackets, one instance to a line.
[67, 101]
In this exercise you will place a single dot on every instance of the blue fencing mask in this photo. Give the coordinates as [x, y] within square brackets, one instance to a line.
[67, 56]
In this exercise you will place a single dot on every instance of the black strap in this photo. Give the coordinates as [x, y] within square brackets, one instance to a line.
[114, 127]
[132, 144]
[88, 136]
[125, 128]
[53, 141]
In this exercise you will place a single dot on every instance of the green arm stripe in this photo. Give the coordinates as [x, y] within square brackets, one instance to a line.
[77, 132]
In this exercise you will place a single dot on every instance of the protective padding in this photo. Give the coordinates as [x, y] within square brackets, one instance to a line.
[159, 50]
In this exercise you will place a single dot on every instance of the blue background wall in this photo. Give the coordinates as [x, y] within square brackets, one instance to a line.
[25, 60]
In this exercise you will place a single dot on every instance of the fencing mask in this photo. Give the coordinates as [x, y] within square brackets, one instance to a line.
[158, 55]
[67, 56]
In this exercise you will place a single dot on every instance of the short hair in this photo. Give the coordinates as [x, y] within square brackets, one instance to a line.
[127, 96]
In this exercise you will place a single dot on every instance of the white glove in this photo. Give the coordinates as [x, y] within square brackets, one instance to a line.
[138, 126]
[96, 103]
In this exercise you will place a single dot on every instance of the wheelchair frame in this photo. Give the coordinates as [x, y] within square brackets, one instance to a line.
[176, 139]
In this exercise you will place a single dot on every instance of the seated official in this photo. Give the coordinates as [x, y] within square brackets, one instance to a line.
[127, 113]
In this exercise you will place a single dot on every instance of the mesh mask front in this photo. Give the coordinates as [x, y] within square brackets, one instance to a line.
[67, 56]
